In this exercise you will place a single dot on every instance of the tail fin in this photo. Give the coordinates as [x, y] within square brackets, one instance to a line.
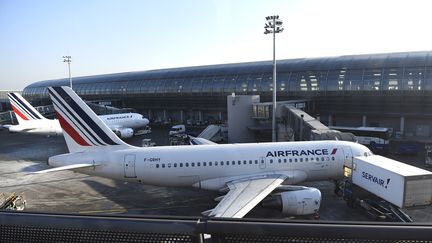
[23, 110]
[82, 128]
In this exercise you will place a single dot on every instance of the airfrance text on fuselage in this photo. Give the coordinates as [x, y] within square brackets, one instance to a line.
[286, 153]
[119, 117]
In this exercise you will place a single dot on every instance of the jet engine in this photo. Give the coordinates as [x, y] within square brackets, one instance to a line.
[299, 202]
[124, 132]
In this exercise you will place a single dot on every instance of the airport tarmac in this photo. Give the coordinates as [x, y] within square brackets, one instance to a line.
[69, 192]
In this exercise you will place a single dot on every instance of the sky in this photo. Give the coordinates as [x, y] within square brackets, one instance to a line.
[107, 36]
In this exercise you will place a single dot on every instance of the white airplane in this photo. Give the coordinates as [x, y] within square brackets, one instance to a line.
[31, 121]
[247, 173]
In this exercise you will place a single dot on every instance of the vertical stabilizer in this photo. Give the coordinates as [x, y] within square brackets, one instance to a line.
[82, 128]
[23, 110]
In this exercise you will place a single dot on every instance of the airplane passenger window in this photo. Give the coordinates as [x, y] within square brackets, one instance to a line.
[295, 160]
[244, 162]
[187, 164]
[333, 158]
[221, 163]
[163, 165]
[301, 159]
[271, 161]
[175, 165]
[181, 164]
[198, 164]
[256, 162]
[204, 164]
[193, 164]
[250, 162]
[279, 160]
[157, 165]
[239, 162]
[210, 163]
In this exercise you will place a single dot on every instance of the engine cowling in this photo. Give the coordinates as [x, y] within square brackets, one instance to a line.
[124, 132]
[300, 202]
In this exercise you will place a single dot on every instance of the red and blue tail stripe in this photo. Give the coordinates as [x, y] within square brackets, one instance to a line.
[22, 108]
[76, 122]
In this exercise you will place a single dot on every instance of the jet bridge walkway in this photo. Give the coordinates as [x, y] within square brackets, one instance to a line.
[301, 126]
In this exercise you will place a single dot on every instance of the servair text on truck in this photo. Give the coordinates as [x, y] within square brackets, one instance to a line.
[396, 182]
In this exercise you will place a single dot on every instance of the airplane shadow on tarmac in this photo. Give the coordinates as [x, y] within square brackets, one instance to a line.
[139, 199]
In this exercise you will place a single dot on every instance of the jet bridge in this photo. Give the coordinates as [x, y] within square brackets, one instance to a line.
[250, 120]
[300, 126]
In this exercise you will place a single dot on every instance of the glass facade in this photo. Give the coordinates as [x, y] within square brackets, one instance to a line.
[309, 76]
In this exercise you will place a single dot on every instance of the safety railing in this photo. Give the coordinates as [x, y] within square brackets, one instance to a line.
[39, 227]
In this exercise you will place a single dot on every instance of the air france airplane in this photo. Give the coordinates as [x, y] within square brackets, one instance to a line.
[31, 121]
[247, 173]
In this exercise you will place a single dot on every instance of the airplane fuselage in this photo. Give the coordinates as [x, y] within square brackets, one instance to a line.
[40, 127]
[211, 166]
[130, 120]
[52, 127]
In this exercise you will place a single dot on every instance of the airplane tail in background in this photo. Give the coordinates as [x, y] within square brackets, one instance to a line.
[23, 110]
[82, 128]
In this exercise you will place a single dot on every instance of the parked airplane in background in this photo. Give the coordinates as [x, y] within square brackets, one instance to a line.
[31, 121]
[248, 173]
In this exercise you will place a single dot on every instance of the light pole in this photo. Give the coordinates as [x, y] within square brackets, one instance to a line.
[273, 26]
[68, 59]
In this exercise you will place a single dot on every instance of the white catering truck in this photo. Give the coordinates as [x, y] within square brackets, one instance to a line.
[379, 184]
[399, 183]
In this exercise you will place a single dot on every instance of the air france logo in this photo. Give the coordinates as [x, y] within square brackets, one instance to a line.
[286, 153]
[376, 180]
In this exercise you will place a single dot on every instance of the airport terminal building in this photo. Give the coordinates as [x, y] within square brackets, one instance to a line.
[387, 90]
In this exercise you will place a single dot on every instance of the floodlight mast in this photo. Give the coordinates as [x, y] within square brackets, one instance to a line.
[273, 26]
[68, 59]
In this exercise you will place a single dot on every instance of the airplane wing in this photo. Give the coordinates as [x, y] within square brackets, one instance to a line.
[199, 141]
[66, 167]
[244, 195]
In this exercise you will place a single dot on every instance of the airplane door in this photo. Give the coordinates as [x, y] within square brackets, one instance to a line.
[262, 162]
[129, 166]
[348, 157]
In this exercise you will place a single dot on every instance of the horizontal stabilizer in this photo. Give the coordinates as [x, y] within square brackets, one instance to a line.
[67, 167]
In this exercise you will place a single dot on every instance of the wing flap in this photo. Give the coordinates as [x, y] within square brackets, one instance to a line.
[245, 194]
[66, 167]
